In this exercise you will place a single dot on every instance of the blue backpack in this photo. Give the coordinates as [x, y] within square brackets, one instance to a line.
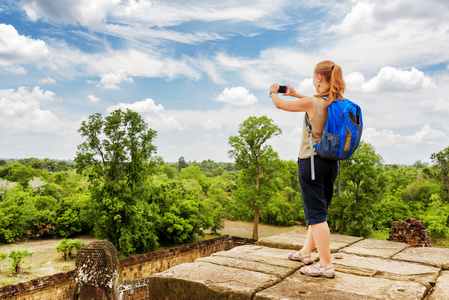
[342, 132]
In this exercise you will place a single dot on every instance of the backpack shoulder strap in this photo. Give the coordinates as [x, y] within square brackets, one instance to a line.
[312, 160]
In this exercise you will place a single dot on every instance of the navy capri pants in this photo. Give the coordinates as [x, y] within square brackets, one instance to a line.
[317, 194]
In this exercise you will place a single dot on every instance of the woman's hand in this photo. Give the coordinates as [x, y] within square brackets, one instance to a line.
[290, 91]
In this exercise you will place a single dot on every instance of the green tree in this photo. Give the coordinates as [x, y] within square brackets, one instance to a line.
[20, 173]
[182, 223]
[63, 246]
[218, 201]
[363, 185]
[68, 221]
[117, 149]
[194, 172]
[75, 245]
[441, 160]
[419, 164]
[182, 163]
[390, 209]
[35, 163]
[254, 157]
[66, 246]
[285, 205]
[18, 256]
[436, 218]
[168, 170]
[6, 235]
[362, 176]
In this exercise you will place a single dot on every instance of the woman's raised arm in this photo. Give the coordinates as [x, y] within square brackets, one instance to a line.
[303, 104]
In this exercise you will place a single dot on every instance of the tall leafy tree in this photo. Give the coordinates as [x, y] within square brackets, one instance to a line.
[363, 185]
[441, 160]
[254, 156]
[182, 163]
[116, 152]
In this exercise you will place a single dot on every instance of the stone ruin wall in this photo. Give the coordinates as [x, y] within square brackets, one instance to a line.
[132, 272]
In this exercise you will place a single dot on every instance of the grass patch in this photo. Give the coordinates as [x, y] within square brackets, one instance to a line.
[440, 243]
[45, 261]
[381, 234]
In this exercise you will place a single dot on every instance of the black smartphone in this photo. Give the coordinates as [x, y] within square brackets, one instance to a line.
[282, 89]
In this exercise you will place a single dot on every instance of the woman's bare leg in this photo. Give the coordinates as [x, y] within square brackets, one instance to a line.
[321, 236]
[309, 243]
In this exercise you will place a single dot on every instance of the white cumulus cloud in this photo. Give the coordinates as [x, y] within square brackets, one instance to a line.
[92, 98]
[390, 79]
[388, 138]
[152, 113]
[146, 106]
[83, 12]
[17, 49]
[439, 105]
[211, 124]
[112, 79]
[20, 110]
[359, 19]
[47, 80]
[237, 96]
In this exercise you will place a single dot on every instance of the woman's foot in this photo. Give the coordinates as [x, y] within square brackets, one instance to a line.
[296, 256]
[319, 271]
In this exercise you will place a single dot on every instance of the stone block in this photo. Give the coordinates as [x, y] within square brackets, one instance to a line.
[438, 257]
[201, 280]
[385, 268]
[278, 271]
[441, 290]
[343, 286]
[377, 248]
[265, 255]
[293, 240]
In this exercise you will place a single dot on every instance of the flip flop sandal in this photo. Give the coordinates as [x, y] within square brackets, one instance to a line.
[320, 271]
[300, 258]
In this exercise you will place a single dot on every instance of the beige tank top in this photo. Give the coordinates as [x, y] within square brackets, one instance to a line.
[318, 120]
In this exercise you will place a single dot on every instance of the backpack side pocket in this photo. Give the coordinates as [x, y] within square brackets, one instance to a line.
[347, 141]
[328, 146]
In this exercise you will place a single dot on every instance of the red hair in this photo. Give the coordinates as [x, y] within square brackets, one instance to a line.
[334, 76]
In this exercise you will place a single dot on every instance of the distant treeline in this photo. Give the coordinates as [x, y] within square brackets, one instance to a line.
[47, 198]
[50, 165]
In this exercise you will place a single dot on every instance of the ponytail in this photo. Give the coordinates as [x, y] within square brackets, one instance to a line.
[334, 76]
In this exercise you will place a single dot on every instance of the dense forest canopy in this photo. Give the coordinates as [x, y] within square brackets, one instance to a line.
[139, 202]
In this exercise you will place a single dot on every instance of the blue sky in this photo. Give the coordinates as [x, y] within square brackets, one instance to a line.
[195, 70]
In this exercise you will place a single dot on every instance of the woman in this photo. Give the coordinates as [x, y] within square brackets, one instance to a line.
[316, 194]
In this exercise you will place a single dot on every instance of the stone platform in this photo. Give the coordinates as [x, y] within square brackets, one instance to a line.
[364, 268]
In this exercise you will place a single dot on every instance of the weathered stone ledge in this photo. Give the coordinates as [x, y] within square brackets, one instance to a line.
[365, 269]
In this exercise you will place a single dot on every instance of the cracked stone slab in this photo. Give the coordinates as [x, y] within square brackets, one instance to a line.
[290, 240]
[385, 268]
[377, 248]
[438, 257]
[343, 286]
[265, 255]
[201, 280]
[293, 240]
[278, 271]
[441, 290]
